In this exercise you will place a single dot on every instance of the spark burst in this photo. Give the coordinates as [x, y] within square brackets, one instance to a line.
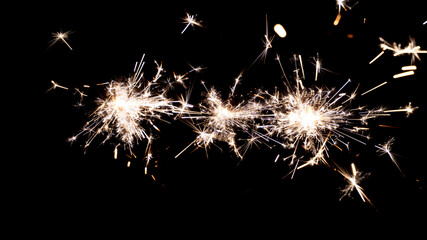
[130, 110]
[221, 121]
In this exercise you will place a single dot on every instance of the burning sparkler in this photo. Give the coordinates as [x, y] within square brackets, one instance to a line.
[306, 120]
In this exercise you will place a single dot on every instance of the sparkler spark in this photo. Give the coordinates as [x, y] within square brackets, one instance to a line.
[353, 179]
[386, 149]
[56, 85]
[190, 20]
[397, 50]
[341, 4]
[267, 44]
[61, 36]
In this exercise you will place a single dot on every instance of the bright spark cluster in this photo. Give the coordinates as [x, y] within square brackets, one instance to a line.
[130, 109]
[309, 121]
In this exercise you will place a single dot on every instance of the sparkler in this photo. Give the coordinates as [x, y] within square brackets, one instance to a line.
[306, 120]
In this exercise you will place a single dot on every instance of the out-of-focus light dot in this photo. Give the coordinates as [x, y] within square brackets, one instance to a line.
[280, 30]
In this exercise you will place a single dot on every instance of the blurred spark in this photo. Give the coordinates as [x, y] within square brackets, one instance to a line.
[404, 74]
[280, 30]
[341, 4]
[408, 68]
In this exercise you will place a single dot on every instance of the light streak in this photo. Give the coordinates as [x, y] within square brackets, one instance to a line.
[236, 81]
[378, 56]
[372, 89]
[404, 74]
[408, 68]
[317, 68]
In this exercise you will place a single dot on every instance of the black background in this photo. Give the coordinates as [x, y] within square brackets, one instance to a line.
[60, 181]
